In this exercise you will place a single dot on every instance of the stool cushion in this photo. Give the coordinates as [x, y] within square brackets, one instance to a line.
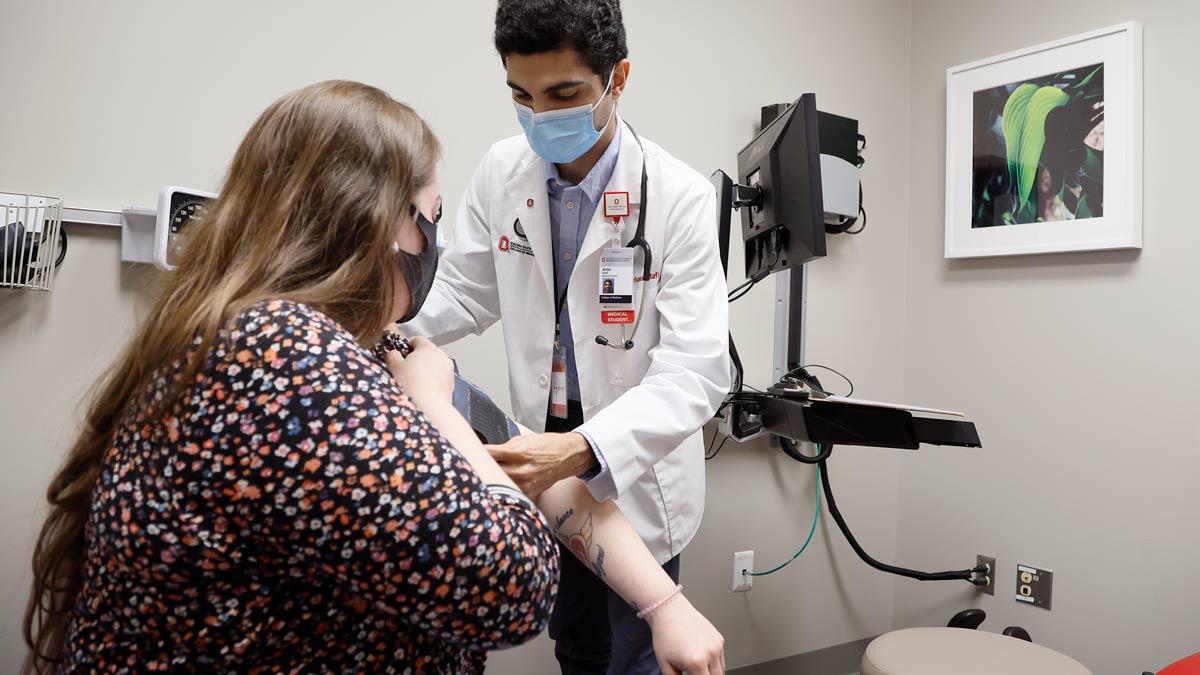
[956, 651]
[1188, 666]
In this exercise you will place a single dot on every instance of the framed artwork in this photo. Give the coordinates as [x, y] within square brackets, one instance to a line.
[1044, 148]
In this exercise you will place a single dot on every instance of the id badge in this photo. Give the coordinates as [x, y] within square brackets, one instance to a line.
[616, 285]
[558, 384]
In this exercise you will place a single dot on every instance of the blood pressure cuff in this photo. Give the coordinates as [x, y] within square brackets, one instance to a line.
[490, 423]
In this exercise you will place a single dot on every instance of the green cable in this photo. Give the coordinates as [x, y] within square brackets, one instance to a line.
[811, 532]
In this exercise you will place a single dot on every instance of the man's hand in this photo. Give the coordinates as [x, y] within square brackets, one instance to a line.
[537, 461]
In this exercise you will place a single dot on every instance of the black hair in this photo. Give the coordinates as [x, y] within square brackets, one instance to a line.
[593, 28]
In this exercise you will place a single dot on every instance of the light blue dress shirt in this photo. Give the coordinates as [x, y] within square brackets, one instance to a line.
[571, 210]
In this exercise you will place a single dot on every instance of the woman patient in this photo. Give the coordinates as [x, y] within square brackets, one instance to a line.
[253, 490]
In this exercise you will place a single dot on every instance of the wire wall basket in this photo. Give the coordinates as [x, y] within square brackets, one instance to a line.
[32, 241]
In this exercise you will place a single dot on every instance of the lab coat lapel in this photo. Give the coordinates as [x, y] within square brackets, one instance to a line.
[627, 177]
[532, 205]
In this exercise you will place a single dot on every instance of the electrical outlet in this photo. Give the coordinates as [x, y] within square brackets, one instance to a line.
[1034, 586]
[988, 560]
[743, 566]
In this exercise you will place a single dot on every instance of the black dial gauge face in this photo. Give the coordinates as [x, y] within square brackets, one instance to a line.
[184, 209]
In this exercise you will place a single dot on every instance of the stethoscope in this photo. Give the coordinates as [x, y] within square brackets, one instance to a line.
[638, 241]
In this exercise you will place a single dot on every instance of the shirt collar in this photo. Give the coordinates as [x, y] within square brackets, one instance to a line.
[597, 179]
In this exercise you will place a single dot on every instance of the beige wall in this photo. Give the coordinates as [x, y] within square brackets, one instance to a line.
[125, 101]
[1071, 364]
[1080, 369]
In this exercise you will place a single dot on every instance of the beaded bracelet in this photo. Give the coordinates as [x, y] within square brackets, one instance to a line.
[653, 608]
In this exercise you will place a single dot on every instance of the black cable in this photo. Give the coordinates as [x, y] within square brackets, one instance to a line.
[844, 226]
[62, 253]
[739, 371]
[757, 276]
[719, 447]
[840, 227]
[739, 296]
[738, 395]
[711, 443]
[863, 226]
[749, 282]
[839, 374]
[832, 508]
[790, 449]
[862, 211]
[730, 399]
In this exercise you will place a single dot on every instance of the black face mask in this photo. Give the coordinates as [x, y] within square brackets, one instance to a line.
[420, 269]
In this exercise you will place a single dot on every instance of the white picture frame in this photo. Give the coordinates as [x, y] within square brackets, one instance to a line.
[990, 207]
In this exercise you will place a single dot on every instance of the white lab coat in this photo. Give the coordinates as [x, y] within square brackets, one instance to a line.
[644, 408]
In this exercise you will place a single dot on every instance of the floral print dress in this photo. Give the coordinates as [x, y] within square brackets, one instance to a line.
[295, 513]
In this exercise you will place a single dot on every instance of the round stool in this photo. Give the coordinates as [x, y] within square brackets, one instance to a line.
[956, 651]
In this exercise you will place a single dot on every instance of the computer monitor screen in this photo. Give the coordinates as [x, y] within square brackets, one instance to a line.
[786, 227]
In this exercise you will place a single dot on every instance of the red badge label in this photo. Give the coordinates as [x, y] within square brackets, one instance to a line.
[503, 244]
[617, 317]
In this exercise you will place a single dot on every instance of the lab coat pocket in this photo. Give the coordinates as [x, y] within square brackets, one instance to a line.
[627, 367]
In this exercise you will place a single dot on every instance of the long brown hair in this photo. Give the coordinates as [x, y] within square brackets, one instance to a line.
[313, 200]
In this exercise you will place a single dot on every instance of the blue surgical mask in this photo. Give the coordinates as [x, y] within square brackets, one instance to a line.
[563, 136]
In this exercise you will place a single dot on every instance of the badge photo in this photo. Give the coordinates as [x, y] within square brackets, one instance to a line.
[616, 278]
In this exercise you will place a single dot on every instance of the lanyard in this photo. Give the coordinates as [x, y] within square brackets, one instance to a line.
[562, 301]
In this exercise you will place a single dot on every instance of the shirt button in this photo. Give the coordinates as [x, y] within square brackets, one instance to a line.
[570, 205]
[567, 256]
[543, 380]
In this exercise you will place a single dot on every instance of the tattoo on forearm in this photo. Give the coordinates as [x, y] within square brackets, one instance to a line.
[580, 544]
[561, 520]
[598, 563]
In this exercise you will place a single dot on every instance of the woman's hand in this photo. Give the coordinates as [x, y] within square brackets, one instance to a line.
[684, 641]
[426, 374]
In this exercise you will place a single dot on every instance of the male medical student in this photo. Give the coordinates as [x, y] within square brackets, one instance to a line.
[621, 376]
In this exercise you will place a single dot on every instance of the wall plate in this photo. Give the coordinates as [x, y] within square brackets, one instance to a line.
[990, 588]
[1034, 586]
